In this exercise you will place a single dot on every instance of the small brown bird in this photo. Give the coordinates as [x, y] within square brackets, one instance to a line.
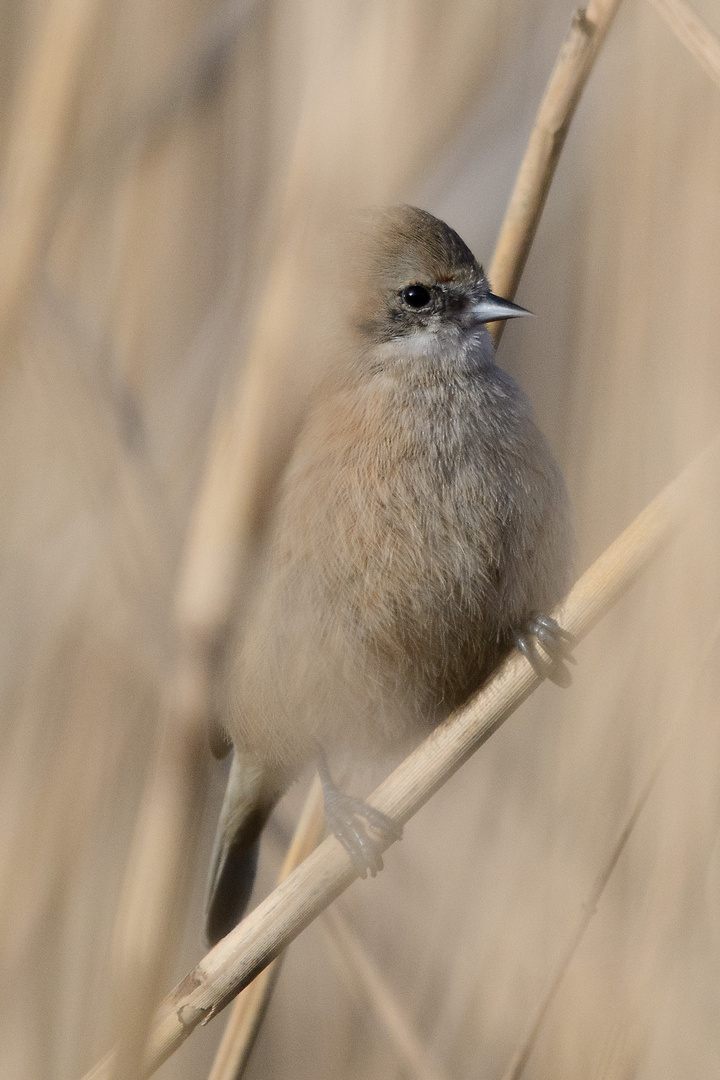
[422, 528]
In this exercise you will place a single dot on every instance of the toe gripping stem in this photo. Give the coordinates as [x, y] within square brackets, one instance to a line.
[547, 647]
[351, 818]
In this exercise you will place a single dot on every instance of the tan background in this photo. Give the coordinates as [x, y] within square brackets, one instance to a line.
[163, 205]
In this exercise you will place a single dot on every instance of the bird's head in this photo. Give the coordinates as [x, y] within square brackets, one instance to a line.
[419, 288]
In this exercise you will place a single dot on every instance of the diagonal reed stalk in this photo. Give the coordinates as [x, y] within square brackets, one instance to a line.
[573, 66]
[367, 984]
[516, 1065]
[249, 1009]
[327, 872]
[692, 32]
[349, 956]
[704, 47]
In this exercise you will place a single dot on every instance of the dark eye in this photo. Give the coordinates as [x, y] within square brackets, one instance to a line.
[416, 296]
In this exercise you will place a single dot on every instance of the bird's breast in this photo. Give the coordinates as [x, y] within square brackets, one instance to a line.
[397, 511]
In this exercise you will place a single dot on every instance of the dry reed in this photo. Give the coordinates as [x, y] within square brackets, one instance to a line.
[572, 68]
[249, 1009]
[692, 32]
[174, 166]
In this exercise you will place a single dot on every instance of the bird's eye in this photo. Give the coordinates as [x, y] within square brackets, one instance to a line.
[416, 296]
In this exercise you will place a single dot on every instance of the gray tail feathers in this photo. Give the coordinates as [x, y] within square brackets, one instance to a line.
[246, 807]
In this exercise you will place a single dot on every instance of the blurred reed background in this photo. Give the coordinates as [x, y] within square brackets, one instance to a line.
[166, 165]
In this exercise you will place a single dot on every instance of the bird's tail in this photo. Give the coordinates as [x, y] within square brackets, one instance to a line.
[248, 803]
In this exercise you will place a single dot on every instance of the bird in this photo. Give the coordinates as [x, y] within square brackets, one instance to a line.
[422, 527]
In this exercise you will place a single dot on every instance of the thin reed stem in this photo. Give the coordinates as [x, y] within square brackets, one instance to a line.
[251, 1004]
[377, 997]
[517, 1064]
[567, 82]
[157, 880]
[351, 958]
[692, 32]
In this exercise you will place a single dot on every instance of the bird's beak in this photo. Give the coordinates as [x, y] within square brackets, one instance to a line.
[493, 308]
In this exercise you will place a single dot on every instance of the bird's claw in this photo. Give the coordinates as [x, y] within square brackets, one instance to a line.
[547, 647]
[346, 815]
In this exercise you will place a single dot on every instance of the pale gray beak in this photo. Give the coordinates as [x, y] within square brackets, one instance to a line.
[493, 308]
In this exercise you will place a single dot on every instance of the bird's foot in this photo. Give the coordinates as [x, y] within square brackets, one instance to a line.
[547, 647]
[351, 818]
